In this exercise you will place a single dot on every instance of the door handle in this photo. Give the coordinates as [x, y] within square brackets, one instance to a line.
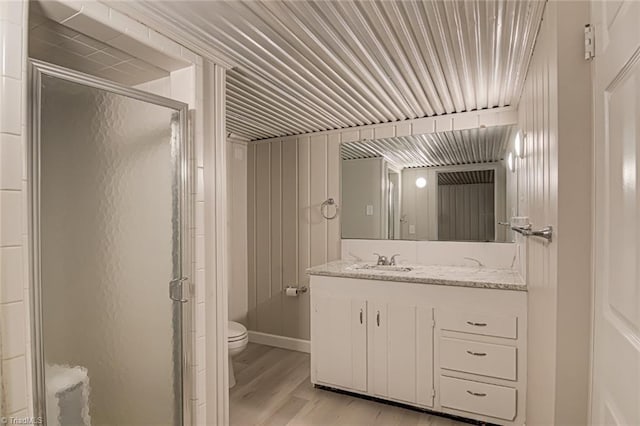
[360, 316]
[176, 290]
[378, 318]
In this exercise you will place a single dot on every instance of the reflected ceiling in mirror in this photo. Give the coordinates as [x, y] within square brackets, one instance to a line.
[451, 186]
[457, 147]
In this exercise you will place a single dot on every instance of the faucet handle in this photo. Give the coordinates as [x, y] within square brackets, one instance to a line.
[392, 261]
[382, 260]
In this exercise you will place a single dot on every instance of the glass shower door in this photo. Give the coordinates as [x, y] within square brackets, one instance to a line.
[111, 172]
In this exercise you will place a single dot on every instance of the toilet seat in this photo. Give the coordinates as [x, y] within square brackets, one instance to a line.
[237, 332]
[238, 337]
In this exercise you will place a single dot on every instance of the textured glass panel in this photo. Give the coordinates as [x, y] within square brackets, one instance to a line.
[106, 231]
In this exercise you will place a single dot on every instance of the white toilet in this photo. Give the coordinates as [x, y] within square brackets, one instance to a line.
[238, 339]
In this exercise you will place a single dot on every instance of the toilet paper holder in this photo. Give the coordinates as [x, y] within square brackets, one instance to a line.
[295, 291]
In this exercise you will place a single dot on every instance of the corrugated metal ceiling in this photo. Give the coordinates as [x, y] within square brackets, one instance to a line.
[306, 66]
[472, 146]
[470, 177]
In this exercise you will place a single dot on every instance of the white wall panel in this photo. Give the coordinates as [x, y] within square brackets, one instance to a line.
[288, 179]
[554, 182]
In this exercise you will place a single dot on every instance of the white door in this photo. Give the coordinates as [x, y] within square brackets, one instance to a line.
[616, 362]
[340, 341]
[394, 357]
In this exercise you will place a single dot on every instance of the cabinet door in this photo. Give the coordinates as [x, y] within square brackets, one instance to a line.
[378, 327]
[424, 356]
[339, 345]
[395, 352]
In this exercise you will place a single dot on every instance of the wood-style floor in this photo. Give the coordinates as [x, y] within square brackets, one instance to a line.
[273, 388]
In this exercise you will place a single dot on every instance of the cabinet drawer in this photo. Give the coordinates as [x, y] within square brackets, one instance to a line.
[479, 323]
[480, 398]
[478, 358]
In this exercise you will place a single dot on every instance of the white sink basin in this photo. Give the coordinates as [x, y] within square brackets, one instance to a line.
[389, 268]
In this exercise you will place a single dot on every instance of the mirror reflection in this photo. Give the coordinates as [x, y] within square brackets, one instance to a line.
[448, 186]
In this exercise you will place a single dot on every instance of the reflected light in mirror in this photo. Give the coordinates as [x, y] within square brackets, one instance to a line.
[421, 182]
[518, 145]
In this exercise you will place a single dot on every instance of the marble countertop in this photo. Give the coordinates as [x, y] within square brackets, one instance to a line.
[461, 276]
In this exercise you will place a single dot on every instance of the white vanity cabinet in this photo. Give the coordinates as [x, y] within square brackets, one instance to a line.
[457, 350]
[340, 341]
[401, 337]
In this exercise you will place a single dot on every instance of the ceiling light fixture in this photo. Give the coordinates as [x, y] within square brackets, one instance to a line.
[421, 182]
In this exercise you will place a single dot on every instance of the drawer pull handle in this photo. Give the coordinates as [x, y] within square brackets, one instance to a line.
[360, 316]
[477, 324]
[378, 318]
[476, 353]
[476, 393]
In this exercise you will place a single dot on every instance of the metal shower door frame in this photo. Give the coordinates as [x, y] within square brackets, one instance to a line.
[182, 244]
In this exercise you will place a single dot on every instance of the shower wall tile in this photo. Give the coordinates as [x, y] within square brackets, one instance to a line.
[15, 377]
[10, 50]
[13, 316]
[11, 270]
[11, 99]
[10, 161]
[10, 218]
[12, 329]
[11, 11]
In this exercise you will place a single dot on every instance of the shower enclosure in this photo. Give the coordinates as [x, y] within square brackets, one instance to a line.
[109, 185]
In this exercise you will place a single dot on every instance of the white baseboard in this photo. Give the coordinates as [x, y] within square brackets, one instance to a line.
[283, 342]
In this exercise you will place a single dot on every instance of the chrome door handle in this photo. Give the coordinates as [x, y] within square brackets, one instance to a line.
[176, 290]
[476, 393]
[477, 324]
[477, 353]
[378, 318]
[360, 316]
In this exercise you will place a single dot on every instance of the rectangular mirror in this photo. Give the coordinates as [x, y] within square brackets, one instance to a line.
[448, 186]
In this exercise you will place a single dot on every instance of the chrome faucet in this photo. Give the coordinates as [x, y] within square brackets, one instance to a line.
[383, 261]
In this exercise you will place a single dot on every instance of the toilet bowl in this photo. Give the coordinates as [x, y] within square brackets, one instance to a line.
[238, 339]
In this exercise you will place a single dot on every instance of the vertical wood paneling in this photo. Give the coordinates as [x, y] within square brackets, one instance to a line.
[251, 235]
[317, 195]
[273, 309]
[304, 232]
[333, 191]
[290, 220]
[263, 236]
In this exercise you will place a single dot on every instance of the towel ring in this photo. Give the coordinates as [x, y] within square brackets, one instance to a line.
[324, 207]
